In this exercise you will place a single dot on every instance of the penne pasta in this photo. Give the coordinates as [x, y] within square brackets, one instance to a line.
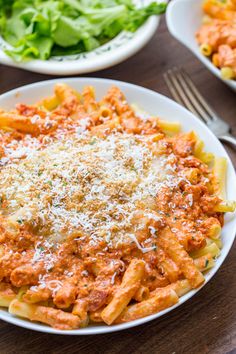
[225, 207]
[50, 103]
[205, 157]
[89, 101]
[220, 168]
[69, 99]
[96, 316]
[180, 287]
[123, 295]
[6, 298]
[108, 214]
[169, 127]
[105, 112]
[18, 122]
[168, 242]
[80, 309]
[50, 316]
[162, 299]
[218, 243]
[205, 262]
[65, 296]
[33, 297]
[214, 231]
[213, 249]
[142, 293]
[170, 269]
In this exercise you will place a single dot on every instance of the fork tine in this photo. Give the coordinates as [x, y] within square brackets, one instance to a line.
[191, 96]
[171, 89]
[175, 87]
[200, 98]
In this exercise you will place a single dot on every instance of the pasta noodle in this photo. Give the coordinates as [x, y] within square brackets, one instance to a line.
[125, 292]
[161, 300]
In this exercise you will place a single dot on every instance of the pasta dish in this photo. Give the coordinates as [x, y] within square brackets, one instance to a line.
[217, 36]
[107, 214]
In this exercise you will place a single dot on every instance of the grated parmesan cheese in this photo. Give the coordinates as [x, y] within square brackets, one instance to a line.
[84, 186]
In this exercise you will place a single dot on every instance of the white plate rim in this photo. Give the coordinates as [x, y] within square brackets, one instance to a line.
[15, 93]
[171, 24]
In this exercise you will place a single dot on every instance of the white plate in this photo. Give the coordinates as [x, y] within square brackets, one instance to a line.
[156, 104]
[115, 51]
[184, 18]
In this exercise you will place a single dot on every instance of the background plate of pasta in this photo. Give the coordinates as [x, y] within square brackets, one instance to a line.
[207, 28]
[117, 205]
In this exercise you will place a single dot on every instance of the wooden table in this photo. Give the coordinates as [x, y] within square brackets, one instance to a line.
[207, 322]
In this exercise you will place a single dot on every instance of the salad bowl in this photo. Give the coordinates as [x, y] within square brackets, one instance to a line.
[118, 49]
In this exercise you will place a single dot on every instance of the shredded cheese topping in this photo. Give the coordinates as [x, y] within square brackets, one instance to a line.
[83, 186]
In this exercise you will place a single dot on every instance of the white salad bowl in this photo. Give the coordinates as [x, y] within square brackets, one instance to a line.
[113, 52]
[155, 104]
[184, 18]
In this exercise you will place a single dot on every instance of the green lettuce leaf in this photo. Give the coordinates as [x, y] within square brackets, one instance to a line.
[38, 29]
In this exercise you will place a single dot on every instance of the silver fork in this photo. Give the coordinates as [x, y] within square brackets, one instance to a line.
[185, 92]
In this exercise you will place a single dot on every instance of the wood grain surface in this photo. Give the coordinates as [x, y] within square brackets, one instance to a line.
[207, 322]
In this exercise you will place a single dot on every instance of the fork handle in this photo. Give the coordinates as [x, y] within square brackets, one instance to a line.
[229, 139]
